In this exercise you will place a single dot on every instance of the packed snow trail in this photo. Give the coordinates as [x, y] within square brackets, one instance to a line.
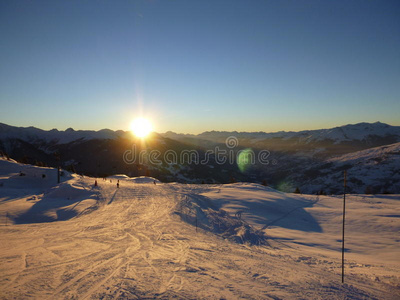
[131, 245]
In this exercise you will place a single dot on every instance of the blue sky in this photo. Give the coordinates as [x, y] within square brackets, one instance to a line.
[193, 66]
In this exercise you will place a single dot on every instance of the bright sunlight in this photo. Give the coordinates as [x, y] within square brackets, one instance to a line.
[141, 127]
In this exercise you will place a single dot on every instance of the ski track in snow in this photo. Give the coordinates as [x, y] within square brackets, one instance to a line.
[131, 245]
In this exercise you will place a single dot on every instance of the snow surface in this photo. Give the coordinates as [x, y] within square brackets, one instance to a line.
[140, 241]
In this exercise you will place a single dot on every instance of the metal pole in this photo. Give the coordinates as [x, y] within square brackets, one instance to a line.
[344, 214]
[58, 174]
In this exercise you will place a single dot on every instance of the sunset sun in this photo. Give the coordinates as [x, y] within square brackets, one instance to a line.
[141, 127]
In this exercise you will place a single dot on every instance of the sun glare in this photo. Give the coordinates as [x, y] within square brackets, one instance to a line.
[141, 127]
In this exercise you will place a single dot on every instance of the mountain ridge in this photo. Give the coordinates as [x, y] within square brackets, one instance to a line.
[296, 158]
[357, 131]
[338, 133]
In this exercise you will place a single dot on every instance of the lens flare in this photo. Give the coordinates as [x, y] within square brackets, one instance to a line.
[245, 159]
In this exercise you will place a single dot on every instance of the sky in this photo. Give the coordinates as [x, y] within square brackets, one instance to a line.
[194, 66]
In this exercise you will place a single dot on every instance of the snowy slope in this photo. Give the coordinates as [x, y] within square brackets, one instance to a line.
[351, 132]
[373, 154]
[375, 169]
[36, 197]
[314, 222]
[140, 241]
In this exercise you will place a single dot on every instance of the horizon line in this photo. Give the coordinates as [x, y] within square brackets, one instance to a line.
[195, 134]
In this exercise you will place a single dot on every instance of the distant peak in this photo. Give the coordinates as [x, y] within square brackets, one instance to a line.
[377, 124]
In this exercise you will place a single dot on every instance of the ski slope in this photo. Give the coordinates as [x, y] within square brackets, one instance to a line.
[140, 241]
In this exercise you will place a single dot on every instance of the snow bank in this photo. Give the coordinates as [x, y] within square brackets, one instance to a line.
[59, 203]
[262, 206]
[70, 191]
[141, 179]
[144, 179]
[31, 194]
[118, 176]
[204, 213]
[20, 176]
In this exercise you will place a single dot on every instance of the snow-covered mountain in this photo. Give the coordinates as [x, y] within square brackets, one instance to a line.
[347, 133]
[375, 170]
[312, 160]
[54, 136]
[337, 135]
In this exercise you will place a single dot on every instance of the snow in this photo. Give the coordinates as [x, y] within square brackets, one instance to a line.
[376, 168]
[372, 153]
[141, 179]
[140, 241]
[118, 177]
[144, 179]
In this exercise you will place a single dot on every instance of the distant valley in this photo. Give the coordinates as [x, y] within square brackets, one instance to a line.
[312, 160]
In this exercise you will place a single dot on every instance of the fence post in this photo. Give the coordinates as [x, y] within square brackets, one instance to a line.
[344, 214]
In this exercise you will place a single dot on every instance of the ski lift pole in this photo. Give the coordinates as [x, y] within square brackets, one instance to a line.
[344, 214]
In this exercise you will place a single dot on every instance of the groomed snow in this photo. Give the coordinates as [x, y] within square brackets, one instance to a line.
[140, 241]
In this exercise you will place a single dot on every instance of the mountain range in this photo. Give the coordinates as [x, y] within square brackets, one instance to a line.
[312, 160]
